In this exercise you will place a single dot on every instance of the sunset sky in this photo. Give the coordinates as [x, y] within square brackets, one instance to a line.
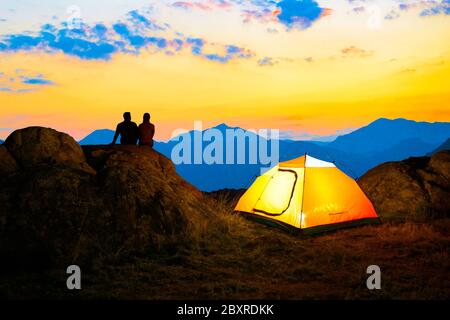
[310, 68]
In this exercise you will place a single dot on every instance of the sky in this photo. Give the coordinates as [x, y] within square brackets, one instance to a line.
[313, 69]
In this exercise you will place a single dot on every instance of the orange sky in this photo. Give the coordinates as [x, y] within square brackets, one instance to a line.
[340, 72]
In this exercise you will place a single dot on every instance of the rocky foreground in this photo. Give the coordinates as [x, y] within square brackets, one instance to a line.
[413, 187]
[138, 230]
[60, 203]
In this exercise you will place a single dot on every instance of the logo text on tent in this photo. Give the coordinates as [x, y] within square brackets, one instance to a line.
[229, 146]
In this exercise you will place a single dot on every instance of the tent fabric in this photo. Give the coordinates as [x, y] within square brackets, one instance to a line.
[306, 193]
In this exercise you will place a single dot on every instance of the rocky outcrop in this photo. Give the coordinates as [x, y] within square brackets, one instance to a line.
[61, 204]
[410, 187]
[440, 163]
[36, 146]
[7, 163]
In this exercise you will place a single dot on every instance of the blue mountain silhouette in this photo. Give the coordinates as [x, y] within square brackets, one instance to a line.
[383, 134]
[98, 137]
[444, 146]
[381, 141]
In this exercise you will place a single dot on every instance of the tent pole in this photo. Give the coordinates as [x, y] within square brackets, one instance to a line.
[303, 191]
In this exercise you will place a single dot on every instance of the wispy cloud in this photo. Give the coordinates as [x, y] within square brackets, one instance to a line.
[202, 5]
[267, 61]
[437, 8]
[37, 81]
[22, 81]
[423, 8]
[101, 41]
[353, 51]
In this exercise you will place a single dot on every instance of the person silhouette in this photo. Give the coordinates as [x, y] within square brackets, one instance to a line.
[127, 130]
[146, 131]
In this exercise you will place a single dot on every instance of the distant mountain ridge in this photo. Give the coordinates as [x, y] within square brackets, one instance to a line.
[442, 147]
[384, 133]
[98, 137]
[380, 141]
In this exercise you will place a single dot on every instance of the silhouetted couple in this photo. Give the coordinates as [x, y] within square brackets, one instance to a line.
[130, 133]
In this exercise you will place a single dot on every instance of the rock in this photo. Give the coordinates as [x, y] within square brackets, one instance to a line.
[129, 199]
[416, 186]
[35, 146]
[440, 163]
[7, 163]
[141, 190]
[48, 209]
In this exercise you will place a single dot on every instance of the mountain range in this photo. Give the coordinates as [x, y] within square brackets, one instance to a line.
[380, 141]
[444, 146]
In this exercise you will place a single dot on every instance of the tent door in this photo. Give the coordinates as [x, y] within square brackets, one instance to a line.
[276, 196]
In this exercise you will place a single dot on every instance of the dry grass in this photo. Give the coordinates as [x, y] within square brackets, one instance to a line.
[233, 258]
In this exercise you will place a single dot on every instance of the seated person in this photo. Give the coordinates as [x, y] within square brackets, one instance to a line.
[146, 131]
[127, 130]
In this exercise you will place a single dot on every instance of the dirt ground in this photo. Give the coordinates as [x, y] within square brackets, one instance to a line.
[241, 259]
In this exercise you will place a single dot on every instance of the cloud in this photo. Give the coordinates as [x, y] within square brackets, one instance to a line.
[205, 5]
[292, 14]
[392, 14]
[22, 81]
[359, 9]
[426, 7]
[354, 51]
[85, 43]
[140, 21]
[272, 61]
[11, 90]
[100, 41]
[299, 13]
[37, 81]
[264, 15]
[230, 52]
[267, 61]
[437, 8]
[405, 6]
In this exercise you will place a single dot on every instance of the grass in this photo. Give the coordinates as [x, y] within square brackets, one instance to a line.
[232, 258]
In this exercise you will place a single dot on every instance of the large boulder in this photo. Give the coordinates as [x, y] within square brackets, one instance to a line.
[8, 164]
[45, 211]
[60, 207]
[416, 186]
[142, 191]
[34, 146]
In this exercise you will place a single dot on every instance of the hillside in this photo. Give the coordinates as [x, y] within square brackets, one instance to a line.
[139, 231]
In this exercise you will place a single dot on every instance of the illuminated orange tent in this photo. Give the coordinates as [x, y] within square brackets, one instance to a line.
[307, 194]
